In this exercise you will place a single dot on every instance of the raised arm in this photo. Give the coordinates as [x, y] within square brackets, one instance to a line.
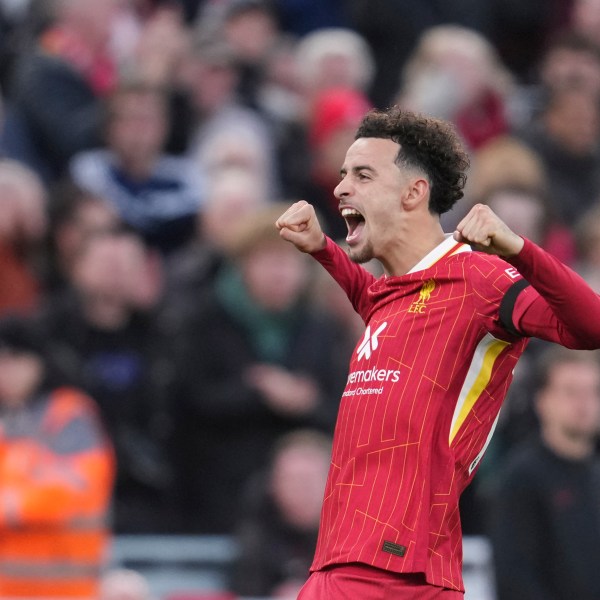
[563, 309]
[559, 306]
[300, 226]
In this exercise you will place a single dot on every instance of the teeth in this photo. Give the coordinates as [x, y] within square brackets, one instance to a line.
[350, 212]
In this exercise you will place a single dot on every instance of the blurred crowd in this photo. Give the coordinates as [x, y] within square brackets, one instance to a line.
[168, 354]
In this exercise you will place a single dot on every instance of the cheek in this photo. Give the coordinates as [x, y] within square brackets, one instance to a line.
[384, 213]
[592, 412]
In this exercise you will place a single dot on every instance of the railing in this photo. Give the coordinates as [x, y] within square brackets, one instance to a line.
[193, 567]
[177, 563]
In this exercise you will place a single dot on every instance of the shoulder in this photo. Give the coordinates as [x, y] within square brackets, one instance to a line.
[38, 62]
[67, 404]
[73, 423]
[487, 262]
[72, 400]
[91, 165]
[39, 73]
[486, 270]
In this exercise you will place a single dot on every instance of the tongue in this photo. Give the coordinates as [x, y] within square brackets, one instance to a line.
[355, 232]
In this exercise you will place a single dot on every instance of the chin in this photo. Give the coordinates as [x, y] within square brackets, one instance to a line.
[360, 255]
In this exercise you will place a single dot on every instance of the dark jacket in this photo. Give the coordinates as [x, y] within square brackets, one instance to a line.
[225, 429]
[126, 371]
[53, 114]
[271, 550]
[546, 527]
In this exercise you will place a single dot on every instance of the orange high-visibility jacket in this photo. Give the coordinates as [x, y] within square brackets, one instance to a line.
[56, 482]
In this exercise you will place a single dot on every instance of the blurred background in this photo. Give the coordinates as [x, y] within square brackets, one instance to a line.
[169, 369]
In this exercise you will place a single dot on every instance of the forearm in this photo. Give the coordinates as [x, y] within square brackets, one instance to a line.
[567, 310]
[351, 277]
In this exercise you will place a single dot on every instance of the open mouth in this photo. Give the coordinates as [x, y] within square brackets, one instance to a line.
[355, 223]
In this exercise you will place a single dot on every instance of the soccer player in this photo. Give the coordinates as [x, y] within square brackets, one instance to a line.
[445, 327]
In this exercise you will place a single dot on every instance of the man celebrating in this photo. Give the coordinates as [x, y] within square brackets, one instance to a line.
[445, 327]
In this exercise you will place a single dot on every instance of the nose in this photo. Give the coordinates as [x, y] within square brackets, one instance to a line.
[341, 189]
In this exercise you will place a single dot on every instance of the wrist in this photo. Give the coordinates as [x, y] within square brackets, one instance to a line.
[515, 247]
[321, 246]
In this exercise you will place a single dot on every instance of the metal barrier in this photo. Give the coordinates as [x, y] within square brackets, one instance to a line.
[177, 564]
[190, 567]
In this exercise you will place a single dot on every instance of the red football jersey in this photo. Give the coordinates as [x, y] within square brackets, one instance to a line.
[424, 390]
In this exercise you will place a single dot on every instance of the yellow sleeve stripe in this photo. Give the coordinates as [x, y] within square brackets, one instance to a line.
[478, 377]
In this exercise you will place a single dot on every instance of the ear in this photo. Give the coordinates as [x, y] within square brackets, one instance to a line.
[416, 195]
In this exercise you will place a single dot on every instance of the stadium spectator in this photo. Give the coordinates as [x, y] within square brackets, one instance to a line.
[258, 361]
[56, 476]
[508, 164]
[107, 335]
[527, 211]
[569, 61]
[233, 195]
[55, 97]
[504, 161]
[251, 29]
[23, 227]
[156, 194]
[74, 216]
[223, 131]
[150, 41]
[545, 505]
[277, 533]
[565, 136]
[454, 73]
[336, 57]
[392, 29]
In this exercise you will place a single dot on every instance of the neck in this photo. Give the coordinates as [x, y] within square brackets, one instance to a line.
[138, 169]
[411, 245]
[106, 314]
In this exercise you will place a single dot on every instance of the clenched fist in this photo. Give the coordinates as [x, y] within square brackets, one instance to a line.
[485, 231]
[300, 226]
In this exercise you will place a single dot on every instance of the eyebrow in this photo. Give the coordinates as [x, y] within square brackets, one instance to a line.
[358, 168]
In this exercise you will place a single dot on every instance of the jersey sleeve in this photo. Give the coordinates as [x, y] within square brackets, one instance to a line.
[351, 277]
[496, 286]
[559, 306]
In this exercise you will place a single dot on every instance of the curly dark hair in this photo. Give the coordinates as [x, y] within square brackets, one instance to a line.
[426, 143]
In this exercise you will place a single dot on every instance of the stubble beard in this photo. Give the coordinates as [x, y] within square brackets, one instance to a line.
[361, 255]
